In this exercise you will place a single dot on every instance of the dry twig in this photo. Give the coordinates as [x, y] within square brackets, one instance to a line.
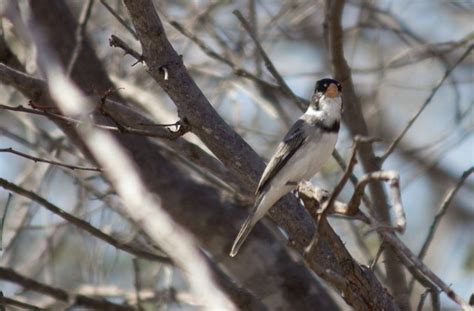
[81, 28]
[439, 215]
[397, 140]
[82, 224]
[60, 294]
[37, 159]
[268, 63]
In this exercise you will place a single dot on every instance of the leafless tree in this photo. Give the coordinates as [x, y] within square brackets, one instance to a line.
[134, 133]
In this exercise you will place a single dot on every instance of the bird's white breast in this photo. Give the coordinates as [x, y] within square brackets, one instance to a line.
[308, 160]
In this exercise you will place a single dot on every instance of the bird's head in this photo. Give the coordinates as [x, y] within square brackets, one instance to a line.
[328, 87]
[327, 96]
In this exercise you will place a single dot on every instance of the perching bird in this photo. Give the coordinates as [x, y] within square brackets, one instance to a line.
[301, 154]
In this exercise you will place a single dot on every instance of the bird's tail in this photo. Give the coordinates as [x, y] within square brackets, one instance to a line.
[243, 233]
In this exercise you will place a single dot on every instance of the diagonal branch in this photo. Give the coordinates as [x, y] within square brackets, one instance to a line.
[36, 159]
[439, 215]
[442, 211]
[268, 63]
[82, 224]
[11, 275]
[6, 301]
[80, 31]
[397, 140]
[239, 71]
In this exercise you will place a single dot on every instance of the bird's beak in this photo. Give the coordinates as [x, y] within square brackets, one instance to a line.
[332, 91]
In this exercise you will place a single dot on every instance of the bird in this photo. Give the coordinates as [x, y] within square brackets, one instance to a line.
[306, 147]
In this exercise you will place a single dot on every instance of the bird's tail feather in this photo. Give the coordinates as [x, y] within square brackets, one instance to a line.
[243, 233]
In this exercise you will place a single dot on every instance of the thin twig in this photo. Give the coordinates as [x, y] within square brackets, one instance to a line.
[435, 303]
[6, 301]
[442, 211]
[268, 63]
[239, 71]
[137, 283]
[36, 159]
[81, 28]
[412, 260]
[4, 216]
[254, 23]
[439, 215]
[82, 224]
[157, 132]
[120, 20]
[60, 294]
[397, 140]
[377, 256]
[115, 41]
[422, 300]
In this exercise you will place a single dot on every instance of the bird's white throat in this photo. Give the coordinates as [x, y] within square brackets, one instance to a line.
[329, 108]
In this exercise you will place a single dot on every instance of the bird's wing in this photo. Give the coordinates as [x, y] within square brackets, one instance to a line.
[285, 150]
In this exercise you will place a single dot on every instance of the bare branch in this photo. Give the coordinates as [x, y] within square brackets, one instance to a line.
[119, 43]
[239, 71]
[439, 215]
[119, 19]
[6, 301]
[137, 283]
[81, 28]
[377, 256]
[268, 63]
[442, 211]
[82, 224]
[4, 216]
[394, 144]
[36, 159]
[412, 260]
[422, 300]
[11, 275]
[158, 130]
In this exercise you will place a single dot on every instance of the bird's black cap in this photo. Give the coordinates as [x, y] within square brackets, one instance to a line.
[323, 84]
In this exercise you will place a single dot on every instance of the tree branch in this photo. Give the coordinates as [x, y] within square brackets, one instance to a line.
[268, 63]
[36, 159]
[81, 224]
[11, 275]
[397, 140]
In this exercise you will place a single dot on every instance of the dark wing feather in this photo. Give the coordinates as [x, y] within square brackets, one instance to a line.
[285, 150]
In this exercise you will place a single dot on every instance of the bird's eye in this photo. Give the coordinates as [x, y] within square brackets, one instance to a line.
[325, 85]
